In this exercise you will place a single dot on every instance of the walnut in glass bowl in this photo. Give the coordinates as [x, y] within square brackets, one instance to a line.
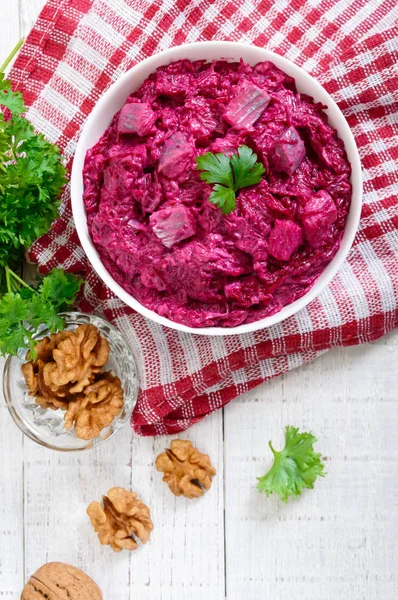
[79, 390]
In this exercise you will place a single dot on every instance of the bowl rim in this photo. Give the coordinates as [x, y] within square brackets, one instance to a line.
[234, 51]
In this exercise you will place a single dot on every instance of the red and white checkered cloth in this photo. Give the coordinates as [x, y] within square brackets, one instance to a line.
[75, 52]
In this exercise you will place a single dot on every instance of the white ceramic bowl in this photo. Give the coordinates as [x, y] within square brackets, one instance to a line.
[113, 100]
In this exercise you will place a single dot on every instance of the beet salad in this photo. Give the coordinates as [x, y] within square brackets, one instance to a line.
[218, 194]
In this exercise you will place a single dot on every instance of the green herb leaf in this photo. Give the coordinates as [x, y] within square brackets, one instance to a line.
[18, 130]
[229, 175]
[13, 340]
[9, 58]
[22, 312]
[32, 177]
[13, 308]
[9, 99]
[216, 169]
[60, 288]
[224, 198]
[295, 467]
[247, 171]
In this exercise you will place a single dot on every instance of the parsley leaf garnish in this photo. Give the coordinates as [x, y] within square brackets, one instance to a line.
[216, 168]
[229, 175]
[32, 177]
[23, 308]
[247, 171]
[224, 198]
[9, 99]
[295, 467]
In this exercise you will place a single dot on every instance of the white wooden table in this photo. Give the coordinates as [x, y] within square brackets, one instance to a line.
[337, 542]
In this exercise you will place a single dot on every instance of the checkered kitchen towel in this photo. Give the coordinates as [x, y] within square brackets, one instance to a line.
[75, 52]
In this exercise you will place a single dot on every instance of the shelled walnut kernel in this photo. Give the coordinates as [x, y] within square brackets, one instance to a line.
[187, 471]
[96, 407]
[121, 521]
[67, 374]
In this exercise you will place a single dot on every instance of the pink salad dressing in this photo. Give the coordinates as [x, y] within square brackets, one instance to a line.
[149, 213]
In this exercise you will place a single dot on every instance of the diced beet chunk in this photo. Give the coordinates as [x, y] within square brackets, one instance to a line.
[136, 118]
[318, 214]
[175, 155]
[288, 152]
[285, 238]
[246, 107]
[246, 291]
[173, 84]
[173, 224]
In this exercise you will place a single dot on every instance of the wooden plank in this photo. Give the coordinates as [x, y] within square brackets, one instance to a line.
[338, 540]
[185, 558]
[10, 29]
[11, 505]
[29, 12]
[58, 489]
[11, 442]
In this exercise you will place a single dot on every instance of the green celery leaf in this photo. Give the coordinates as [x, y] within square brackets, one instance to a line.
[4, 327]
[27, 293]
[32, 177]
[4, 143]
[39, 310]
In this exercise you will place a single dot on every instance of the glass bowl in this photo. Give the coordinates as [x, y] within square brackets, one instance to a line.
[46, 426]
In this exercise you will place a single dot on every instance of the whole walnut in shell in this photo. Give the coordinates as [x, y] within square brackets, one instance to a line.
[59, 581]
[121, 521]
[187, 471]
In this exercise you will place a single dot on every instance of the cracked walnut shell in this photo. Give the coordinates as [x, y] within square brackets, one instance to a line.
[59, 581]
[187, 471]
[121, 521]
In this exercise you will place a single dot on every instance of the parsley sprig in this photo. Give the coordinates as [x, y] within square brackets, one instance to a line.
[32, 177]
[24, 308]
[295, 467]
[229, 174]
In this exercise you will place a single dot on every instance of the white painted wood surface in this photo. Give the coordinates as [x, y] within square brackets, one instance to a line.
[337, 542]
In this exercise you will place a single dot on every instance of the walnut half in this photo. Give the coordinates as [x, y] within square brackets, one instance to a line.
[121, 521]
[187, 471]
